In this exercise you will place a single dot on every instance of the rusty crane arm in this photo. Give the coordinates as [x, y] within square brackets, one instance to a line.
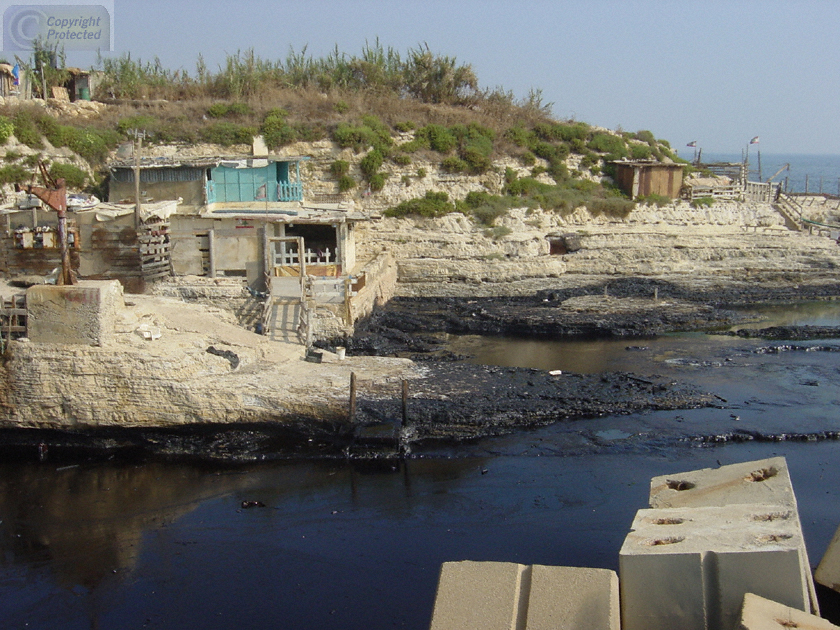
[54, 194]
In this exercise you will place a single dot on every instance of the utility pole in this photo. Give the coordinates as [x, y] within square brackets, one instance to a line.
[138, 145]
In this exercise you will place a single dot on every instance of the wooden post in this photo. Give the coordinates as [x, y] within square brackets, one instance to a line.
[806, 183]
[352, 397]
[404, 402]
[211, 252]
[138, 144]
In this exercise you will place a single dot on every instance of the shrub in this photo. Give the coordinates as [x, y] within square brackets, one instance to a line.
[345, 183]
[371, 163]
[14, 174]
[339, 168]
[440, 138]
[453, 164]
[497, 232]
[25, 130]
[341, 107]
[486, 214]
[402, 159]
[377, 181]
[660, 201]
[611, 206]
[433, 204]
[640, 151]
[702, 202]
[141, 122]
[371, 133]
[558, 171]
[405, 127]
[91, 144]
[73, 175]
[229, 110]
[228, 133]
[608, 143]
[645, 136]
[421, 173]
[276, 131]
[519, 136]
[7, 128]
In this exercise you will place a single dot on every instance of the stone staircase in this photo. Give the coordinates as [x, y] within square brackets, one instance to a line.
[282, 316]
[790, 210]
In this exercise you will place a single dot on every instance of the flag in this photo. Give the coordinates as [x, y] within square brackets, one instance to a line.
[754, 140]
[693, 143]
[16, 74]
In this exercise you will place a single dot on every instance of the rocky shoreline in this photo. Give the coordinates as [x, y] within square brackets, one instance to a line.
[237, 417]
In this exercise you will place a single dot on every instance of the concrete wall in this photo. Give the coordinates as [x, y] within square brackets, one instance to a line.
[380, 285]
[79, 314]
[192, 192]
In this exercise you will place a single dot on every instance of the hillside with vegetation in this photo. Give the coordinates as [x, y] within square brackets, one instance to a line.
[386, 107]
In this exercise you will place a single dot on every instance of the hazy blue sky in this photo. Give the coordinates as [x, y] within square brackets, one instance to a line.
[715, 72]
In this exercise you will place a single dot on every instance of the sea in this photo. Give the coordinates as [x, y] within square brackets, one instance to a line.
[798, 173]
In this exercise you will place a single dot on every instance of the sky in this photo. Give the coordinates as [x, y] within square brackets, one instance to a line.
[715, 72]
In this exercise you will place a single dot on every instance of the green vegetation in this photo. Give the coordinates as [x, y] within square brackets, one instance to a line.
[14, 174]
[361, 102]
[702, 202]
[433, 204]
[339, 168]
[7, 128]
[73, 175]
[660, 201]
[345, 183]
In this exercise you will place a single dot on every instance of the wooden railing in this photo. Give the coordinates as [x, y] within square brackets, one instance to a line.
[733, 192]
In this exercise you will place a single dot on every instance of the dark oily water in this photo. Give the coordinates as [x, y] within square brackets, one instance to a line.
[169, 546]
[326, 544]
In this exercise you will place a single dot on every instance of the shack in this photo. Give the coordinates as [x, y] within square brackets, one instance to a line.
[232, 210]
[104, 243]
[14, 82]
[639, 178]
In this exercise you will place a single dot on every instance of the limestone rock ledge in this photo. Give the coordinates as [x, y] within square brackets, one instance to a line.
[174, 380]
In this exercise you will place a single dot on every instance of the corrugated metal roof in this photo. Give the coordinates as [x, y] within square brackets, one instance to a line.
[199, 162]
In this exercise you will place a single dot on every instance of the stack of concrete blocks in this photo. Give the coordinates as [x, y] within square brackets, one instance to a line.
[828, 573]
[710, 537]
[507, 596]
[759, 613]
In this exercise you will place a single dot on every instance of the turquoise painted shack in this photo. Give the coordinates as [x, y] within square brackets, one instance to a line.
[259, 180]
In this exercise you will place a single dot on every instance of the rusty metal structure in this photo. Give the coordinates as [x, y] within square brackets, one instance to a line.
[54, 194]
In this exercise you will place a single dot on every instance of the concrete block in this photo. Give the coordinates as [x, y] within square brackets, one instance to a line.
[83, 313]
[828, 572]
[759, 613]
[479, 595]
[573, 598]
[492, 595]
[765, 481]
[690, 567]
